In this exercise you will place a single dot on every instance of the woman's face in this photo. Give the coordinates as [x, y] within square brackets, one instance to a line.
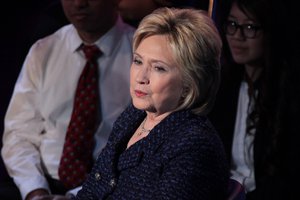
[155, 80]
[244, 50]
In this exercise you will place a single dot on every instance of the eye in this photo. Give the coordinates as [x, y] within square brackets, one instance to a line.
[159, 68]
[249, 26]
[231, 23]
[137, 61]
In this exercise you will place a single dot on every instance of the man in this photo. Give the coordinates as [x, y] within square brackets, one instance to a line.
[41, 107]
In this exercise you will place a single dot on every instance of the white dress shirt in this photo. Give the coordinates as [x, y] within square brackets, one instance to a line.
[242, 167]
[41, 105]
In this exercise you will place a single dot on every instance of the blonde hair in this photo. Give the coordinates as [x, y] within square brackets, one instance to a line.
[196, 45]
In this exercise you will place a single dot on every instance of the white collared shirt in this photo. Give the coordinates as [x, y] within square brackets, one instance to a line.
[242, 166]
[41, 105]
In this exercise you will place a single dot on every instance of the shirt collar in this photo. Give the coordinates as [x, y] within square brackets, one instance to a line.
[107, 43]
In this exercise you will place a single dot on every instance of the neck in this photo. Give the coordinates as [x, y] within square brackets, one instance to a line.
[253, 72]
[91, 36]
[152, 119]
[254, 69]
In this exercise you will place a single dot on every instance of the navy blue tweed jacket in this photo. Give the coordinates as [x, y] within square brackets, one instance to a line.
[181, 158]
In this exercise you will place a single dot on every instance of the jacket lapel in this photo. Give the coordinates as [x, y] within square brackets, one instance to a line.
[148, 146]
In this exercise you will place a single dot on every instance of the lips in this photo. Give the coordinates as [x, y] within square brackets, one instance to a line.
[80, 16]
[140, 93]
[238, 49]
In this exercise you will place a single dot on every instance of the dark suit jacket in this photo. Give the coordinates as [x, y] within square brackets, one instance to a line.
[181, 158]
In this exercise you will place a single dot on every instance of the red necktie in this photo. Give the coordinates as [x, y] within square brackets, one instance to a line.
[77, 158]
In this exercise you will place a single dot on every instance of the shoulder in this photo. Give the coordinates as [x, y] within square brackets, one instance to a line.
[125, 29]
[59, 37]
[195, 136]
[194, 152]
[202, 136]
[187, 124]
[192, 140]
[189, 132]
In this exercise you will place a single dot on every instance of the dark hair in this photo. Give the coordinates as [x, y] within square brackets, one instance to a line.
[258, 8]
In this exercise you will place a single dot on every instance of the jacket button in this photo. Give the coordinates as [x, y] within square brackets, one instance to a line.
[112, 183]
[97, 176]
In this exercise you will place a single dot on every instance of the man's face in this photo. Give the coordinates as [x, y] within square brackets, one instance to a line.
[91, 15]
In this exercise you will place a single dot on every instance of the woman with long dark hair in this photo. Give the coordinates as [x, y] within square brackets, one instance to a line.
[257, 105]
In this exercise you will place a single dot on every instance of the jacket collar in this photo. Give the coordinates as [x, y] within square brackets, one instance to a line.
[147, 146]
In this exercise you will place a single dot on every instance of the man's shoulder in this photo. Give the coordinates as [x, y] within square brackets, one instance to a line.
[57, 38]
[128, 28]
[57, 35]
[125, 28]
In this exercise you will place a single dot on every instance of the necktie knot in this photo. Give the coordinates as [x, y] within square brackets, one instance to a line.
[91, 51]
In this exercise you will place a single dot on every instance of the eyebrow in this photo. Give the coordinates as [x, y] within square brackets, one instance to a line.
[245, 21]
[153, 60]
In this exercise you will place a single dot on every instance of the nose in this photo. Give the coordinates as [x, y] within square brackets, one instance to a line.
[80, 3]
[239, 34]
[142, 76]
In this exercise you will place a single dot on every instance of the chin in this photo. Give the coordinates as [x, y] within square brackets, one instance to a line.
[240, 60]
[139, 104]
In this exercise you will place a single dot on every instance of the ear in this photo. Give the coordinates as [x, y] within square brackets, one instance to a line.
[185, 92]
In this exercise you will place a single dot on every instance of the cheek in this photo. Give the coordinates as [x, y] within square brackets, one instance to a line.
[257, 50]
[229, 39]
[132, 75]
[168, 90]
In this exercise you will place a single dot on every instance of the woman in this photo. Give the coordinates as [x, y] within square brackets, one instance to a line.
[163, 146]
[252, 111]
